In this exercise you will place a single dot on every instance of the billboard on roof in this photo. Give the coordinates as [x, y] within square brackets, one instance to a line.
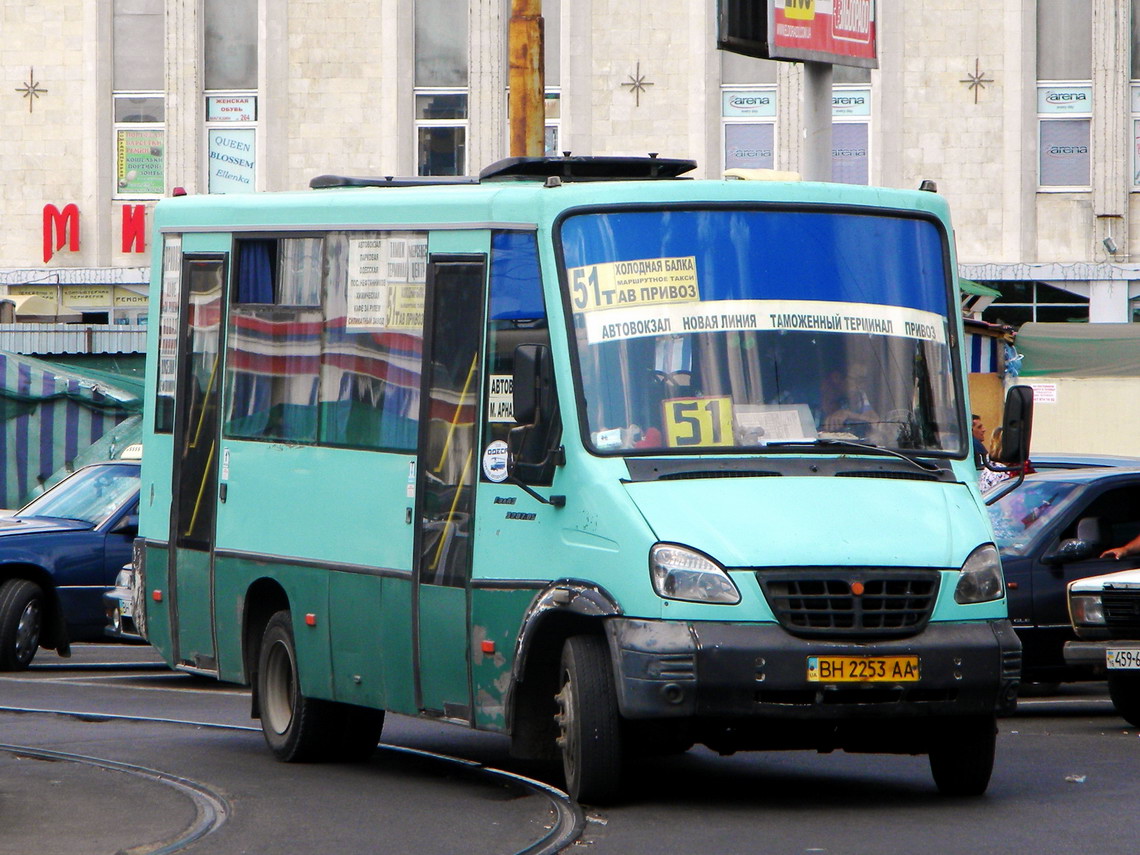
[841, 32]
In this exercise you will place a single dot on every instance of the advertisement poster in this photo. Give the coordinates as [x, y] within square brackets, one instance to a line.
[139, 161]
[841, 31]
[233, 161]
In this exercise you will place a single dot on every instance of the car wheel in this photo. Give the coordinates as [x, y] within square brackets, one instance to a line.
[589, 726]
[962, 755]
[21, 619]
[294, 726]
[1124, 689]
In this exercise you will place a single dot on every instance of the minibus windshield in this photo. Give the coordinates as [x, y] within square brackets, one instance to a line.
[728, 329]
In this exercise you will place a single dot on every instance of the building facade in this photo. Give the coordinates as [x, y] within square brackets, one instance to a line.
[1025, 114]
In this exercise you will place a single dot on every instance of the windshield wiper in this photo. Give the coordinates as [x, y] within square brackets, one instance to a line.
[867, 447]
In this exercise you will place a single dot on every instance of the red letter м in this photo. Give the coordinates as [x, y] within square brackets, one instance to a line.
[65, 225]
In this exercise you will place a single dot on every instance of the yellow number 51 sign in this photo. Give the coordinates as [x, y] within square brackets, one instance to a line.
[696, 422]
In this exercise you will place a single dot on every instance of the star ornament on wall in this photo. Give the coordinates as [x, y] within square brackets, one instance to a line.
[976, 81]
[32, 89]
[637, 84]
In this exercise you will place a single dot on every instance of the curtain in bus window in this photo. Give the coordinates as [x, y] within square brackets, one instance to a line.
[255, 271]
[373, 339]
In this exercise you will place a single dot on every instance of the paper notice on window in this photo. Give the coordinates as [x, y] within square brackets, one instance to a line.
[367, 284]
[386, 278]
[643, 282]
[758, 425]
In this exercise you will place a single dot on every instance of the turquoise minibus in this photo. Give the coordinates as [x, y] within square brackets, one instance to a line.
[580, 451]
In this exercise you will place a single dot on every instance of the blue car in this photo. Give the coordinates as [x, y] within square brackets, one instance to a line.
[59, 554]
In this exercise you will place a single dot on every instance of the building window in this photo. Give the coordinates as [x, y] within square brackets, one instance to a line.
[1064, 94]
[851, 134]
[230, 74]
[748, 122]
[441, 132]
[1135, 135]
[138, 98]
[747, 111]
[441, 87]
[1024, 301]
[552, 142]
[1065, 125]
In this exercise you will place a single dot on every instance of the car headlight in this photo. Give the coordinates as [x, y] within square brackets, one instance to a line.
[680, 573]
[980, 579]
[1087, 609]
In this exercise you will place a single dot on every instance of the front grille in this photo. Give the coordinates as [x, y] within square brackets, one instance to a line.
[1121, 610]
[821, 602]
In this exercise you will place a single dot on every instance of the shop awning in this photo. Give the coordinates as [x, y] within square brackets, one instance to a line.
[32, 307]
[969, 286]
[1079, 350]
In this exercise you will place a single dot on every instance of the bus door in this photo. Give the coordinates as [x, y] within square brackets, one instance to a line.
[446, 476]
[195, 477]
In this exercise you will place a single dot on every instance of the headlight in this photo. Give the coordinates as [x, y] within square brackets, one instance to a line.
[680, 573]
[1087, 609]
[980, 579]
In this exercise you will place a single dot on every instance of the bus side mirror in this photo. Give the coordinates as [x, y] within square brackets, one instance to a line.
[533, 383]
[1017, 424]
[532, 445]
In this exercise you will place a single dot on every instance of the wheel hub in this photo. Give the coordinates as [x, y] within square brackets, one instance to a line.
[28, 631]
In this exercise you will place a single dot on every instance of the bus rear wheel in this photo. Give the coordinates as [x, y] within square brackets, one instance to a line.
[962, 755]
[589, 725]
[291, 722]
[21, 620]
[298, 728]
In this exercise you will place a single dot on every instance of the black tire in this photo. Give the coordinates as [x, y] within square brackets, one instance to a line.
[1124, 689]
[301, 729]
[21, 621]
[962, 755]
[293, 724]
[353, 732]
[589, 725]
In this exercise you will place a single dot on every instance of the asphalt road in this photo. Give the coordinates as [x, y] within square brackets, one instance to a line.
[191, 773]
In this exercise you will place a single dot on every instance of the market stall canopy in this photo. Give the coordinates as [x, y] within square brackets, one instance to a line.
[34, 308]
[1079, 350]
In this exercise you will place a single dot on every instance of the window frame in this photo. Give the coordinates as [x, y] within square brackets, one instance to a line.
[763, 117]
[1064, 115]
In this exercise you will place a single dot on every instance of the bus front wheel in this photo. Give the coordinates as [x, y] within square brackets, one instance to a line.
[962, 755]
[290, 721]
[589, 725]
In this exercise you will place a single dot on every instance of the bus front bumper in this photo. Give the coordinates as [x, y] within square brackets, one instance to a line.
[712, 670]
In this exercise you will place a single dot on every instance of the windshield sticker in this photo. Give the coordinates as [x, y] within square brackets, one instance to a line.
[764, 315]
[495, 461]
[644, 282]
[500, 398]
[692, 422]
